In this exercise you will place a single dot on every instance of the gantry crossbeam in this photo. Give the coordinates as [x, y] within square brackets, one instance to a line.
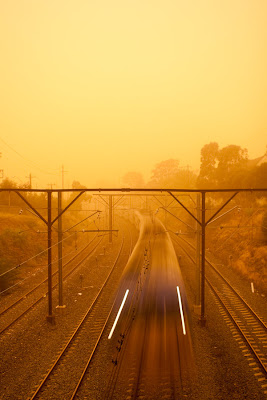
[132, 191]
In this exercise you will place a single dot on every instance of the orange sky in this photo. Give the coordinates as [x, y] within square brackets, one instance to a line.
[106, 87]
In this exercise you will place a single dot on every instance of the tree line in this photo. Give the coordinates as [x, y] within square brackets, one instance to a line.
[228, 167]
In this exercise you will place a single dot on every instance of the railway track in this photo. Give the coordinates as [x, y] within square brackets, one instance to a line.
[148, 358]
[71, 364]
[249, 326]
[29, 300]
[136, 382]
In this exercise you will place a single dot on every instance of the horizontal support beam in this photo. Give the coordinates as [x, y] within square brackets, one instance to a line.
[175, 190]
[97, 230]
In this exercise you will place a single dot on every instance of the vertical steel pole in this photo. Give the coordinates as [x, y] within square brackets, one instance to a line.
[50, 318]
[60, 236]
[203, 229]
[110, 218]
[165, 212]
[62, 176]
[198, 249]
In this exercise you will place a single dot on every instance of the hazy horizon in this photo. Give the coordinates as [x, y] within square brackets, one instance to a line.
[107, 88]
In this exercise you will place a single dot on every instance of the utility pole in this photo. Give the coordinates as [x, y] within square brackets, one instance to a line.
[60, 236]
[62, 174]
[62, 179]
[203, 260]
[110, 218]
[30, 179]
[51, 185]
[198, 250]
[50, 318]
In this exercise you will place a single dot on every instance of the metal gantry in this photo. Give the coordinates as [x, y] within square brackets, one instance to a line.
[201, 222]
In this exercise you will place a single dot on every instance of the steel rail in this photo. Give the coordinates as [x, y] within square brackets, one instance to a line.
[254, 352]
[243, 334]
[136, 387]
[98, 339]
[110, 386]
[44, 295]
[24, 296]
[124, 338]
[74, 335]
[232, 288]
[139, 376]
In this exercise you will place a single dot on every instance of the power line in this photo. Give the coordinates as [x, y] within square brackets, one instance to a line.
[29, 162]
[33, 273]
[31, 258]
[36, 255]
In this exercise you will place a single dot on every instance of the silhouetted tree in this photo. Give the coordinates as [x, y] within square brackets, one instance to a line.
[222, 168]
[231, 160]
[169, 174]
[208, 165]
[164, 173]
[259, 175]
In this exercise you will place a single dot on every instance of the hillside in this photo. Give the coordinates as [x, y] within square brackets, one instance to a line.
[23, 244]
[238, 241]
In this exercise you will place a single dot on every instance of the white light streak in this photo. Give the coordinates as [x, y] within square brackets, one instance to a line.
[181, 309]
[118, 315]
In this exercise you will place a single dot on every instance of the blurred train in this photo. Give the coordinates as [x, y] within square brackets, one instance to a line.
[152, 316]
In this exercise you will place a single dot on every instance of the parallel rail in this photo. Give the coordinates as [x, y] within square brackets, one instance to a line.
[43, 295]
[25, 295]
[80, 347]
[249, 324]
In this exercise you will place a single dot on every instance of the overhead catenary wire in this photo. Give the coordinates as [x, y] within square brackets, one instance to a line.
[31, 258]
[18, 283]
[36, 255]
[29, 162]
[81, 221]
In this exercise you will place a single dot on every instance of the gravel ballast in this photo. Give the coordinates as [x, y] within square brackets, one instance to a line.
[28, 349]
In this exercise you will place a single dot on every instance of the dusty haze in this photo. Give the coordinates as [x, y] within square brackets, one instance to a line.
[108, 87]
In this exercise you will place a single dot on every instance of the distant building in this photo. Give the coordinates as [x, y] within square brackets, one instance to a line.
[257, 161]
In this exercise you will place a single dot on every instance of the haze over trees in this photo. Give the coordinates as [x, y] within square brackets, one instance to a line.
[229, 167]
[169, 174]
[133, 180]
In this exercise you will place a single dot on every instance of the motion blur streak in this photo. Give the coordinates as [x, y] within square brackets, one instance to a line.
[181, 309]
[118, 315]
[155, 350]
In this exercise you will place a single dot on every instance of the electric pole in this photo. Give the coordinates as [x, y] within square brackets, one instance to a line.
[110, 218]
[62, 174]
[51, 185]
[30, 179]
